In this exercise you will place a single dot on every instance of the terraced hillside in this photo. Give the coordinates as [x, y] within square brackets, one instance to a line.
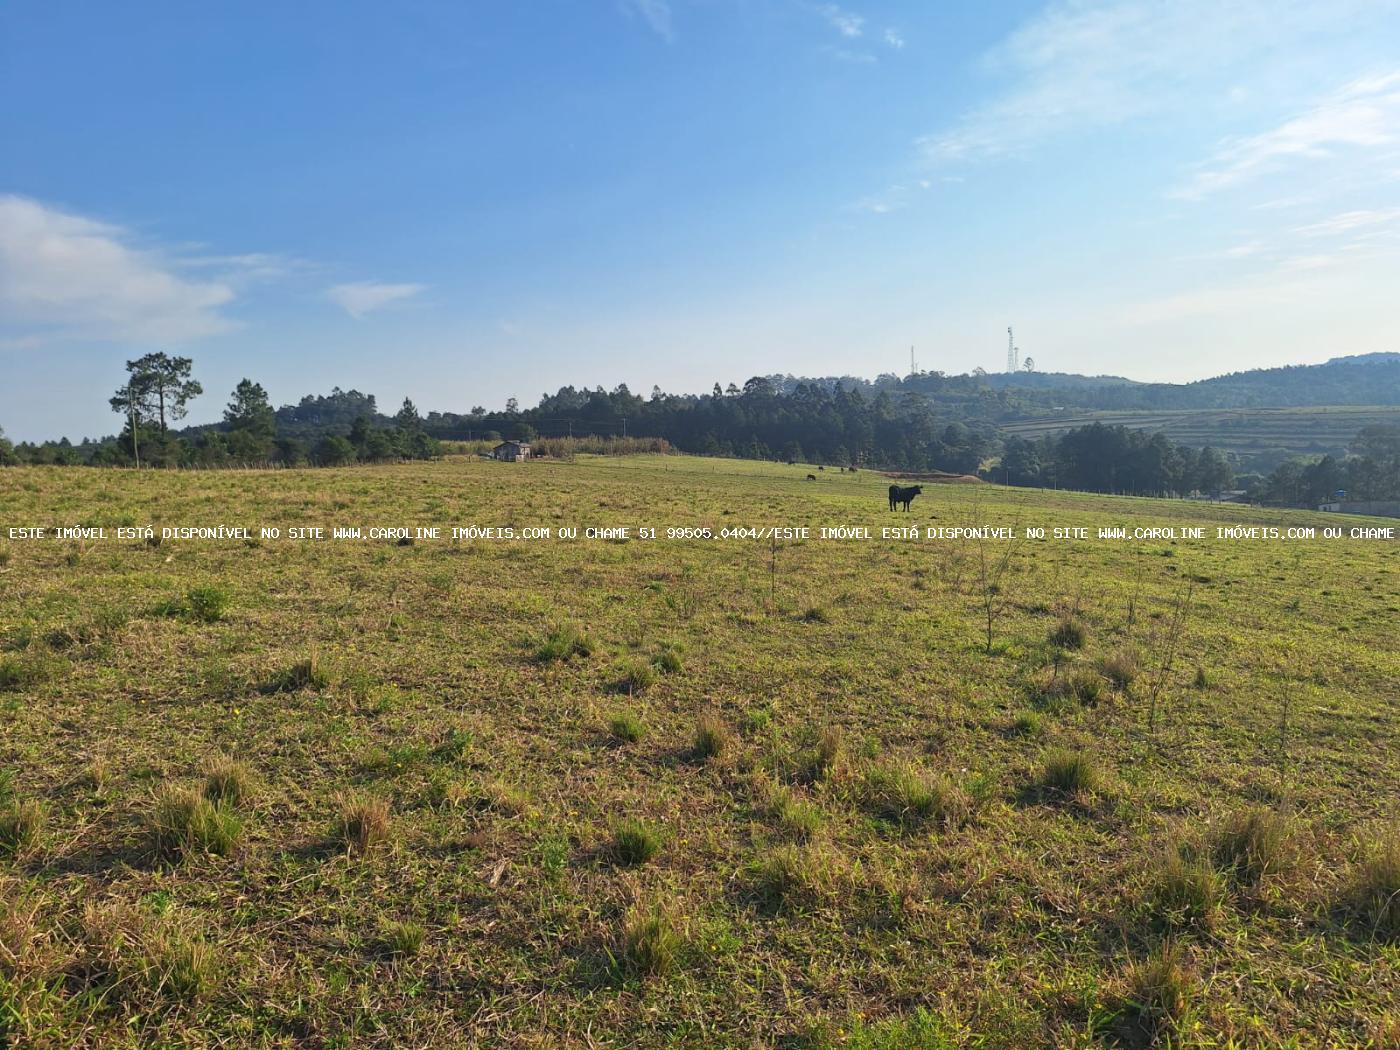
[1270, 433]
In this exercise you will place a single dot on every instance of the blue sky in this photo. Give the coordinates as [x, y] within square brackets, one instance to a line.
[463, 202]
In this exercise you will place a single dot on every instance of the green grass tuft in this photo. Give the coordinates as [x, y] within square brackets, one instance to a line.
[1372, 893]
[183, 823]
[226, 780]
[563, 642]
[634, 842]
[1068, 773]
[651, 940]
[911, 797]
[1069, 633]
[626, 726]
[1252, 844]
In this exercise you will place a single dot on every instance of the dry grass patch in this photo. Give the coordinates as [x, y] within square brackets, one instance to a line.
[363, 823]
[1252, 844]
[1185, 890]
[1157, 994]
[21, 825]
[712, 738]
[226, 781]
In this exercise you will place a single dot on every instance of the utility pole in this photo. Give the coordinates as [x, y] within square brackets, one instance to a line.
[624, 426]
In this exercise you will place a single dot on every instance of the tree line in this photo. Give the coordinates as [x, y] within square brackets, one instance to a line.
[158, 391]
[926, 423]
[1102, 458]
[1371, 471]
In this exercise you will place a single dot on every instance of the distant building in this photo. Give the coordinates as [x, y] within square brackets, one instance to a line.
[511, 451]
[1375, 508]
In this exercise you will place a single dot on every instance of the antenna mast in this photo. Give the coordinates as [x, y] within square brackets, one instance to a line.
[1011, 350]
[913, 367]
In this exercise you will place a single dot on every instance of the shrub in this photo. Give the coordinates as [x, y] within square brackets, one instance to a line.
[183, 822]
[226, 781]
[207, 603]
[403, 938]
[1157, 993]
[626, 726]
[363, 823]
[634, 842]
[1069, 633]
[20, 826]
[651, 940]
[1202, 680]
[911, 797]
[712, 737]
[563, 643]
[1251, 844]
[1372, 894]
[1069, 773]
[1185, 890]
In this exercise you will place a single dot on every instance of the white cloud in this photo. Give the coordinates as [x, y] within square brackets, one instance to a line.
[361, 297]
[65, 276]
[1092, 63]
[1363, 114]
[1365, 219]
[844, 22]
[894, 39]
[655, 13]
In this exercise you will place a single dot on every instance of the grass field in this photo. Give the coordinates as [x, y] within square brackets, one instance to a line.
[688, 792]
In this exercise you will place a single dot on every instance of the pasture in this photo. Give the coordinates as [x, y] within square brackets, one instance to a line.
[688, 792]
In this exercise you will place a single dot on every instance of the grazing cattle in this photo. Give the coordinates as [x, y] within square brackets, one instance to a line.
[903, 495]
[811, 477]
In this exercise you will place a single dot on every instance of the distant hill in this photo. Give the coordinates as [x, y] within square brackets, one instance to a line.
[1366, 379]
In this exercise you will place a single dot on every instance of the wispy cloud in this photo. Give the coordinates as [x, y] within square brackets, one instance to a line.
[362, 297]
[844, 22]
[1082, 64]
[1363, 114]
[66, 276]
[894, 39]
[1349, 221]
[655, 13]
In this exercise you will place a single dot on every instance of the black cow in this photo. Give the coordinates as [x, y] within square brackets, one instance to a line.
[811, 477]
[903, 495]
